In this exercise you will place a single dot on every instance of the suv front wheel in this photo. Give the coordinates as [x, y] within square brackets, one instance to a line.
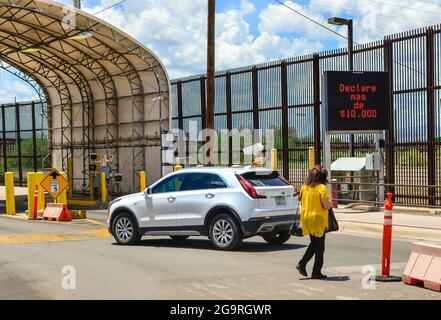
[125, 229]
[225, 233]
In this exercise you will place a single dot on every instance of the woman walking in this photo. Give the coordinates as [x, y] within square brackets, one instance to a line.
[315, 203]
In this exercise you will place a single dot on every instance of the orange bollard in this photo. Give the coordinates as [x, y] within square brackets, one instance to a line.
[387, 243]
[387, 236]
[35, 216]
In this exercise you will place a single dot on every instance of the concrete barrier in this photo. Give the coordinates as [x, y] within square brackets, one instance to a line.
[424, 266]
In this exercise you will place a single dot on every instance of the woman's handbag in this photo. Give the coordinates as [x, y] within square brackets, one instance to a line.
[332, 222]
[296, 229]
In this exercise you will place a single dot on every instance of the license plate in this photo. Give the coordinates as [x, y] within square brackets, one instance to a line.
[280, 201]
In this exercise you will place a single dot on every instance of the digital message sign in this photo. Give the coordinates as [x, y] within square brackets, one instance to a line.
[356, 101]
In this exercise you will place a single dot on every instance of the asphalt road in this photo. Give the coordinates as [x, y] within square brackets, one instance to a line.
[160, 268]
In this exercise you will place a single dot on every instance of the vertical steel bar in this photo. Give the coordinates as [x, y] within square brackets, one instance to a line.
[180, 114]
[229, 117]
[17, 121]
[203, 101]
[34, 138]
[390, 145]
[316, 94]
[430, 72]
[5, 159]
[285, 121]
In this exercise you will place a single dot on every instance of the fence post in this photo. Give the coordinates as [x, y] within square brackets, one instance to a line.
[103, 188]
[31, 182]
[431, 155]
[10, 197]
[311, 157]
[390, 145]
[274, 160]
[316, 94]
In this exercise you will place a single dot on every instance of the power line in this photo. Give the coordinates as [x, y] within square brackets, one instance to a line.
[179, 28]
[310, 19]
[377, 14]
[110, 7]
[329, 29]
[405, 7]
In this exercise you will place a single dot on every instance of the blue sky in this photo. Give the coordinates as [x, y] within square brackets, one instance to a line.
[248, 31]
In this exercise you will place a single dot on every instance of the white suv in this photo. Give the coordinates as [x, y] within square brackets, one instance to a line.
[225, 204]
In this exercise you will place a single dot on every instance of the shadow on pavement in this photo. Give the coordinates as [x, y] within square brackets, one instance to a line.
[332, 279]
[247, 246]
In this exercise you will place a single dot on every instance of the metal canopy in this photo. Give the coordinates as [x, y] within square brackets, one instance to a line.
[106, 92]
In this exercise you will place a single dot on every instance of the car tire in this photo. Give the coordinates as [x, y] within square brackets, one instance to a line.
[225, 233]
[125, 229]
[179, 238]
[278, 238]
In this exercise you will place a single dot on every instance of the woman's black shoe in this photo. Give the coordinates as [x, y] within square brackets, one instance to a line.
[302, 270]
[319, 276]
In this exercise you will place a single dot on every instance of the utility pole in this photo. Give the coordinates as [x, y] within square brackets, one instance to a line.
[211, 50]
[350, 24]
[77, 4]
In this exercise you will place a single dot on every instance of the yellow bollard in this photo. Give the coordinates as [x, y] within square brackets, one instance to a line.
[70, 177]
[142, 181]
[31, 181]
[62, 198]
[177, 168]
[41, 200]
[103, 188]
[10, 197]
[274, 160]
[91, 186]
[311, 157]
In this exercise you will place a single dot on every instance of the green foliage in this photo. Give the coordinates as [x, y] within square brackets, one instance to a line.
[27, 150]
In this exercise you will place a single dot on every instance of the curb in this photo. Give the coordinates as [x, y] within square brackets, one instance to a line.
[398, 231]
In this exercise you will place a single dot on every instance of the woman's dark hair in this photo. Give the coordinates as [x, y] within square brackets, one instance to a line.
[317, 175]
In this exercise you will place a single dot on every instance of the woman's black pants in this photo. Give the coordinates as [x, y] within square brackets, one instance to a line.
[317, 248]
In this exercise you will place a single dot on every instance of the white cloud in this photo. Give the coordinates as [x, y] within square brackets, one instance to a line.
[11, 88]
[176, 30]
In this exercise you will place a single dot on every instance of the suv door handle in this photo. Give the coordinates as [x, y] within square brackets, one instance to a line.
[209, 196]
[171, 199]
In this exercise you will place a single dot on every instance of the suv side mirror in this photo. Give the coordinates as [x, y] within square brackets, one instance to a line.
[148, 191]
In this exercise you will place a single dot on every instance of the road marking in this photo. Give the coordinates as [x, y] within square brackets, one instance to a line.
[54, 237]
[78, 222]
[358, 269]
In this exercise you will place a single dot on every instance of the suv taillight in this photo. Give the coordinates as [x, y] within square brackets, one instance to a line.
[249, 188]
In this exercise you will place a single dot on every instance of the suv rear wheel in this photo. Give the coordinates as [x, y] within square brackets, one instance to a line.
[125, 229]
[277, 238]
[225, 233]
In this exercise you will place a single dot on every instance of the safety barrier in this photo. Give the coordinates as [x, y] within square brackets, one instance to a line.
[57, 212]
[424, 266]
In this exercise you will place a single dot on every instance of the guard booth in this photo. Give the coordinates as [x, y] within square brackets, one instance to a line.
[356, 103]
[356, 180]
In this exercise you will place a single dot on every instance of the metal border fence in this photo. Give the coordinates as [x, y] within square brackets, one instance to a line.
[286, 96]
